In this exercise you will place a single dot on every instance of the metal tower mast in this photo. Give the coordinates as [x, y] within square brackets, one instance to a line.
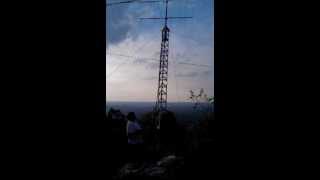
[162, 91]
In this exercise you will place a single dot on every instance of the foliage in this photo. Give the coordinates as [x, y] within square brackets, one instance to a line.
[204, 104]
[201, 101]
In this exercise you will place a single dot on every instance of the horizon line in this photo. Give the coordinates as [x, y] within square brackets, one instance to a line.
[148, 101]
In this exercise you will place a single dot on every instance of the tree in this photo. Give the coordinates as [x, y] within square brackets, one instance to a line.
[201, 101]
[204, 104]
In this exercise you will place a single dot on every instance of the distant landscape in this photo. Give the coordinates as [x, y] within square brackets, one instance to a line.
[184, 111]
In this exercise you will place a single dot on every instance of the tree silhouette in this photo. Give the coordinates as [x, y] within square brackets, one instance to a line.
[201, 101]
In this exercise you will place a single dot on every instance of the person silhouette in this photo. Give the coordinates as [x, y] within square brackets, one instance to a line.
[166, 126]
[135, 141]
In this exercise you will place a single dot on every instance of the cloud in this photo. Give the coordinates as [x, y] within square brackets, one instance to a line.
[117, 26]
[206, 73]
[156, 54]
[152, 65]
[122, 22]
[140, 61]
[191, 74]
[188, 74]
[137, 79]
[182, 56]
[150, 78]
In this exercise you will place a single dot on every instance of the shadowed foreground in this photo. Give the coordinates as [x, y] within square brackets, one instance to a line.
[188, 156]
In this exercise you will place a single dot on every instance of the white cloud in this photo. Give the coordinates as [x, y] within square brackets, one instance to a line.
[134, 80]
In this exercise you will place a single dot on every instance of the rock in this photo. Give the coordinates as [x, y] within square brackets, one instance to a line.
[129, 170]
[167, 161]
[156, 171]
[163, 169]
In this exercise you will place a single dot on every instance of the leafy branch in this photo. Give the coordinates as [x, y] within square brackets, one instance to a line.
[201, 101]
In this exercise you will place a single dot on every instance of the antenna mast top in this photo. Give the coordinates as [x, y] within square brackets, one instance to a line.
[166, 18]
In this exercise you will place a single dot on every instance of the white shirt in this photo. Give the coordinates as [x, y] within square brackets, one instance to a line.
[133, 127]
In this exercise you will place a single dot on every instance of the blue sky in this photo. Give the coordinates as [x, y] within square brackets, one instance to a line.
[134, 78]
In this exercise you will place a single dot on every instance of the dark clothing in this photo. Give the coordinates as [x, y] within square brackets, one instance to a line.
[135, 152]
[168, 129]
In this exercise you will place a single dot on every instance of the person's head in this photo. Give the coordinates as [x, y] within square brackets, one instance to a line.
[131, 116]
[166, 117]
[163, 114]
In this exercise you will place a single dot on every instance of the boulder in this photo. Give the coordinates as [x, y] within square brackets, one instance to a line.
[170, 161]
[163, 169]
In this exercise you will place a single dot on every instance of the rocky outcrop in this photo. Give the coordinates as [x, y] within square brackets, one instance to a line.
[190, 141]
[164, 169]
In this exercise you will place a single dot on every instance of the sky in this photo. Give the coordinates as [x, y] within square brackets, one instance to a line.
[133, 50]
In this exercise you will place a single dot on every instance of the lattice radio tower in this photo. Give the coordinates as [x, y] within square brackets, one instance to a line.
[162, 91]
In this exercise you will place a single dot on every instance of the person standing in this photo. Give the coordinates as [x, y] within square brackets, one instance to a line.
[166, 126]
[135, 141]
